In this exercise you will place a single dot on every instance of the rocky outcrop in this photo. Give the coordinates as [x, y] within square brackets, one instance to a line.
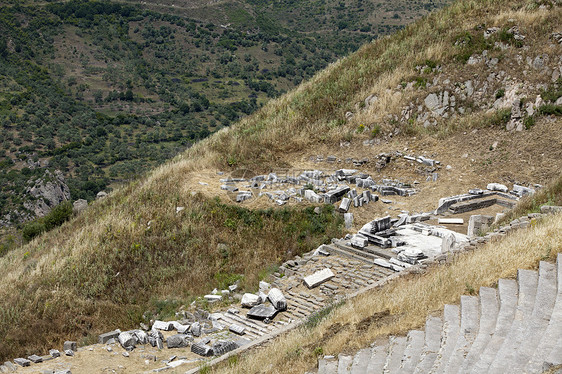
[46, 193]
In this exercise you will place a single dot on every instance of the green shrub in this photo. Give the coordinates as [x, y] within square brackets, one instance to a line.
[500, 93]
[553, 92]
[420, 82]
[32, 229]
[529, 122]
[375, 131]
[550, 109]
[500, 118]
[60, 214]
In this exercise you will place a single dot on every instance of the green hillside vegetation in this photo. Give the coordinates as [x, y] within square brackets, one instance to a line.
[103, 90]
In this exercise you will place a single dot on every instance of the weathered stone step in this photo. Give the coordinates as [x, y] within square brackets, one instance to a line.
[537, 324]
[296, 313]
[370, 249]
[412, 353]
[250, 330]
[350, 252]
[326, 366]
[312, 299]
[253, 324]
[449, 336]
[300, 305]
[527, 280]
[552, 332]
[469, 329]
[395, 354]
[489, 308]
[344, 363]
[507, 290]
[378, 358]
[361, 361]
[433, 328]
[555, 357]
[310, 303]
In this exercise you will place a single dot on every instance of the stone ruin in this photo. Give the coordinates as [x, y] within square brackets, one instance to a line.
[306, 284]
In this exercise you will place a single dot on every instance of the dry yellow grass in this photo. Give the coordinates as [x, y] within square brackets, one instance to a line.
[406, 303]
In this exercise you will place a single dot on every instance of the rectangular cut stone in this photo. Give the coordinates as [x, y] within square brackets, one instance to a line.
[478, 223]
[243, 195]
[318, 278]
[202, 349]
[383, 263]
[250, 300]
[359, 241]
[103, 338]
[222, 347]
[345, 204]
[552, 209]
[335, 195]
[22, 362]
[177, 341]
[237, 329]
[164, 326]
[342, 173]
[277, 299]
[522, 191]
[497, 187]
[262, 312]
[312, 196]
[366, 196]
[177, 363]
[212, 298]
[69, 345]
[35, 359]
[450, 221]
[348, 219]
[54, 353]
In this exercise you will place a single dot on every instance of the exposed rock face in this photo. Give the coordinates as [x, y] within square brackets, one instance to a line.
[79, 205]
[47, 192]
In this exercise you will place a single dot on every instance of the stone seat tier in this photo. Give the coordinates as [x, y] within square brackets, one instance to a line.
[514, 328]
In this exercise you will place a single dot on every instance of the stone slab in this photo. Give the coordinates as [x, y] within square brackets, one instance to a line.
[103, 338]
[318, 278]
[262, 312]
[177, 341]
[237, 329]
[450, 221]
[250, 300]
[202, 349]
[345, 204]
[161, 325]
[69, 345]
[22, 362]
[277, 299]
[222, 347]
[35, 359]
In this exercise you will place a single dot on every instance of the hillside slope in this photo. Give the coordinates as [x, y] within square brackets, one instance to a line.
[103, 90]
[132, 254]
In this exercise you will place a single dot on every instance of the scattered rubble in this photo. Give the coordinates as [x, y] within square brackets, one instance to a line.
[305, 284]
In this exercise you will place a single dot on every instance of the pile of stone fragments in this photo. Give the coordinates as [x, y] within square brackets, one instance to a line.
[316, 186]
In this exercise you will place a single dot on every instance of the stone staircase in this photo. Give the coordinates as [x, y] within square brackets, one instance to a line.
[516, 328]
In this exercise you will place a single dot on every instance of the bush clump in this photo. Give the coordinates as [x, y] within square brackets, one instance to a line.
[56, 217]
